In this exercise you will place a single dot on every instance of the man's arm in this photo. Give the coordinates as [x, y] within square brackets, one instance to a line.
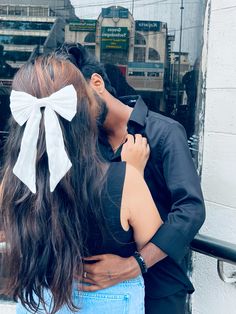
[111, 269]
[187, 212]
[186, 216]
[152, 254]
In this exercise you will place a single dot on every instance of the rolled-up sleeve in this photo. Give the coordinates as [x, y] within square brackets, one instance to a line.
[187, 212]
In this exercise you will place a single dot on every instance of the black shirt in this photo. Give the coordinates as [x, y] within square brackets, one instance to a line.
[113, 238]
[175, 187]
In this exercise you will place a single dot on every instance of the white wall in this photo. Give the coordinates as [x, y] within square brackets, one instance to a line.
[7, 308]
[219, 158]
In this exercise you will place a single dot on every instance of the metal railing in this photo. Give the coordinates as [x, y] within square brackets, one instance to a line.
[223, 251]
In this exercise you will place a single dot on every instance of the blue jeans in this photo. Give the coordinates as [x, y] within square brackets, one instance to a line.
[126, 297]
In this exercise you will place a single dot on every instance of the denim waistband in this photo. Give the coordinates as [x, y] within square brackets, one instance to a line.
[138, 279]
[134, 281]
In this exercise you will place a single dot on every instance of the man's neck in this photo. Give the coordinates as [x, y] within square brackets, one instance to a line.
[117, 117]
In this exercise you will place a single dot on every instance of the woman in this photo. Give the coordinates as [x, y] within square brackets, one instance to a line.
[61, 202]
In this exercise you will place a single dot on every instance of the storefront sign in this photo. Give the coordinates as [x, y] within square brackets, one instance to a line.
[114, 12]
[146, 66]
[115, 38]
[148, 26]
[83, 26]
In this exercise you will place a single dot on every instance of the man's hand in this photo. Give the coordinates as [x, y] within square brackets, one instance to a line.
[108, 270]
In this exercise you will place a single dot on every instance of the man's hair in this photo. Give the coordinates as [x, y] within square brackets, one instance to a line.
[46, 232]
[85, 62]
[118, 80]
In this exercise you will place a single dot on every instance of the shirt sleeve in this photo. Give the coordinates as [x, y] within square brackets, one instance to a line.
[187, 212]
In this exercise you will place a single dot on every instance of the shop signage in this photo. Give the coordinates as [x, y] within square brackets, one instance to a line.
[83, 26]
[146, 66]
[114, 12]
[115, 38]
[148, 26]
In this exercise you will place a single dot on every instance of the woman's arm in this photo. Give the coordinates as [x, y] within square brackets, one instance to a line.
[138, 209]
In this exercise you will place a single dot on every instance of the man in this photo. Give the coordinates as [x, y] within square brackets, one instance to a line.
[190, 81]
[175, 187]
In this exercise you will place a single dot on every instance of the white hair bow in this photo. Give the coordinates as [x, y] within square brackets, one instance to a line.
[26, 108]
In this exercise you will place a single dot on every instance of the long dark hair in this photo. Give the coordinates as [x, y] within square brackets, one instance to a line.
[45, 232]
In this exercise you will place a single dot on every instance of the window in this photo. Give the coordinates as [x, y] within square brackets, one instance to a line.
[90, 38]
[3, 10]
[153, 54]
[135, 73]
[114, 56]
[38, 11]
[139, 54]
[16, 55]
[89, 42]
[11, 10]
[23, 25]
[139, 39]
[22, 40]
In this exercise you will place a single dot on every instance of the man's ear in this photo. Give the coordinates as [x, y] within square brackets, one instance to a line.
[97, 83]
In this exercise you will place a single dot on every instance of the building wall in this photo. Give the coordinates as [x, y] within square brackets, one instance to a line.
[46, 40]
[218, 164]
[61, 7]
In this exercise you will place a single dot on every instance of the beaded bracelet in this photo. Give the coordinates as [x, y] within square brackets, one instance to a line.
[141, 262]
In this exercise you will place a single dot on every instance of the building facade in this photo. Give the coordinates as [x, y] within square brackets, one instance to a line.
[139, 48]
[22, 35]
[61, 8]
[26, 27]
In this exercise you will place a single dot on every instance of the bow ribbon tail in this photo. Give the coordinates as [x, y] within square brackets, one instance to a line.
[25, 167]
[58, 161]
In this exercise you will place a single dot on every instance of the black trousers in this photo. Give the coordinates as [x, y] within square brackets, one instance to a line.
[173, 304]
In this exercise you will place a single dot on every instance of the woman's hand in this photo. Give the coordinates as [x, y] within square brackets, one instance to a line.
[136, 152]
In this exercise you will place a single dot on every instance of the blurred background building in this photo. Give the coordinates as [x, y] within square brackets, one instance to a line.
[27, 27]
[141, 49]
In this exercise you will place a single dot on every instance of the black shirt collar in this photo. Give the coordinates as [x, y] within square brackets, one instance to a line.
[140, 110]
[136, 124]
